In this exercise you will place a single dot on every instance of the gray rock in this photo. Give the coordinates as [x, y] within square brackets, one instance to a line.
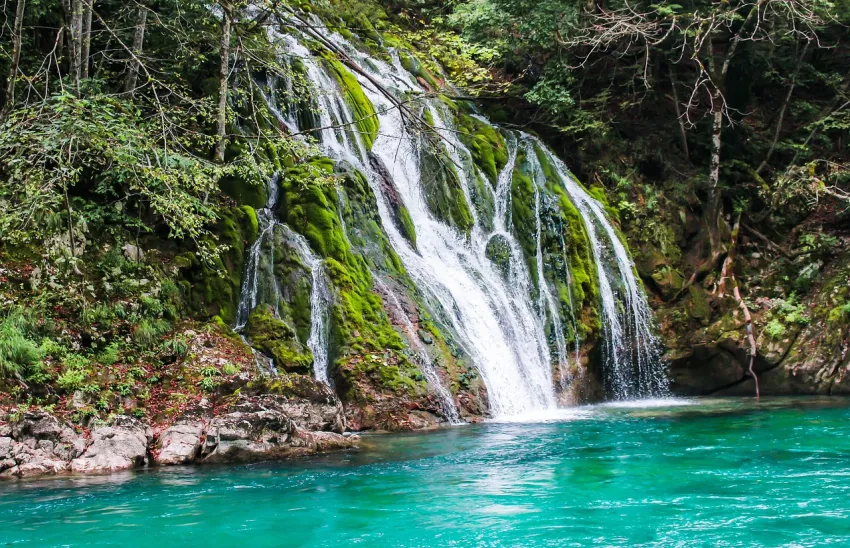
[249, 435]
[133, 252]
[5, 448]
[180, 443]
[119, 446]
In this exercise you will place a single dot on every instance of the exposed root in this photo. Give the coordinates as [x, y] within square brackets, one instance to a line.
[727, 276]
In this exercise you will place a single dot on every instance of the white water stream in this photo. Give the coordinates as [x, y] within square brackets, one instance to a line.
[499, 323]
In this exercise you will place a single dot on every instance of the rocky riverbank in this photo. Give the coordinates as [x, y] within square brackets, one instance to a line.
[247, 429]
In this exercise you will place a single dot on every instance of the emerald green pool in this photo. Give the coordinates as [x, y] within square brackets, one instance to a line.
[706, 472]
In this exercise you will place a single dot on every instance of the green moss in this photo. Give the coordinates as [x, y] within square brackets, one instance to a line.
[415, 67]
[358, 206]
[700, 308]
[363, 343]
[576, 255]
[277, 339]
[443, 192]
[523, 218]
[254, 195]
[364, 112]
[251, 224]
[499, 252]
[486, 144]
[215, 287]
[406, 225]
[598, 194]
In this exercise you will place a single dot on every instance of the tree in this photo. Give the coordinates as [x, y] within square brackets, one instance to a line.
[702, 40]
[223, 76]
[16, 58]
[138, 45]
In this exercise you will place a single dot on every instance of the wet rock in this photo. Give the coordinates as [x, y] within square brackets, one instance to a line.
[311, 404]
[180, 443]
[37, 444]
[250, 433]
[118, 446]
[426, 337]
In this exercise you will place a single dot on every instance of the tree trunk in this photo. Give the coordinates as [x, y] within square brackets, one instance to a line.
[138, 46]
[86, 49]
[16, 59]
[683, 131]
[68, 7]
[223, 76]
[77, 33]
[713, 207]
[718, 109]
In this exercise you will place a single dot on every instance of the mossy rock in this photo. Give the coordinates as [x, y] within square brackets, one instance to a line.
[523, 218]
[408, 230]
[361, 107]
[700, 308]
[277, 339]
[243, 192]
[363, 342]
[215, 286]
[669, 281]
[292, 385]
[442, 188]
[576, 255]
[415, 67]
[486, 145]
[499, 252]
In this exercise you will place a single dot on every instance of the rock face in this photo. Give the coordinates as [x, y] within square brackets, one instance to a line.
[181, 443]
[307, 418]
[121, 445]
[38, 444]
[798, 357]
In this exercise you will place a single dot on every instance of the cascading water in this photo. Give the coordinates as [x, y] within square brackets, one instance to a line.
[491, 311]
[493, 317]
[631, 348]
[446, 400]
[546, 302]
[320, 301]
[260, 285]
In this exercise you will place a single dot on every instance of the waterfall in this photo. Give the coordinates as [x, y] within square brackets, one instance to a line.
[631, 349]
[259, 267]
[492, 312]
[320, 305]
[446, 400]
[493, 317]
[545, 300]
[260, 285]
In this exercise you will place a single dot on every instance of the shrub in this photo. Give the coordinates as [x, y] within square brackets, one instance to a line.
[148, 332]
[18, 353]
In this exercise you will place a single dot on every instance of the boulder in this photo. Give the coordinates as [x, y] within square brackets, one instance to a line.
[180, 443]
[120, 445]
[312, 405]
[250, 433]
[133, 253]
[38, 444]
[265, 428]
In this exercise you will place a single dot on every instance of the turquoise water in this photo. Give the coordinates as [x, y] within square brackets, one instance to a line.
[719, 473]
